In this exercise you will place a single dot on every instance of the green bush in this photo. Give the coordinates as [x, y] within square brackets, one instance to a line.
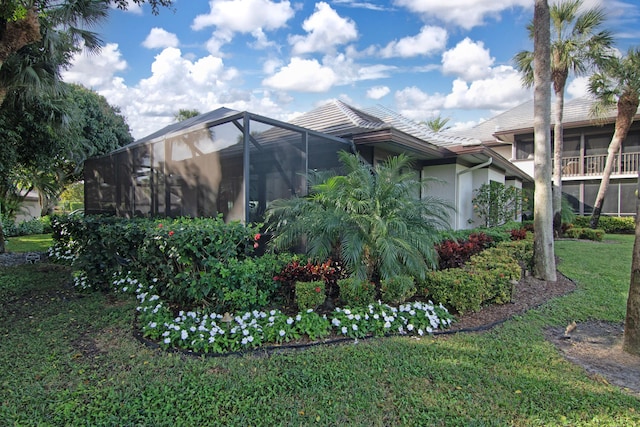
[610, 224]
[499, 269]
[521, 250]
[310, 295]
[457, 289]
[355, 292]
[584, 233]
[487, 277]
[398, 289]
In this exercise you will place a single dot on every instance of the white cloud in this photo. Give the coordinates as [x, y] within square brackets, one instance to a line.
[244, 16]
[378, 92]
[502, 90]
[578, 87]
[325, 30]
[95, 70]
[303, 75]
[417, 105]
[464, 13]
[469, 60]
[160, 38]
[429, 40]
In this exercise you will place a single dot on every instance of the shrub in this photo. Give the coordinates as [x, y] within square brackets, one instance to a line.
[356, 292]
[329, 271]
[521, 250]
[518, 234]
[497, 204]
[610, 224]
[585, 233]
[456, 289]
[310, 295]
[398, 289]
[453, 254]
[500, 268]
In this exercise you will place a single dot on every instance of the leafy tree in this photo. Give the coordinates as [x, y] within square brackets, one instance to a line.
[576, 45]
[184, 114]
[618, 83]
[544, 265]
[497, 203]
[370, 217]
[42, 151]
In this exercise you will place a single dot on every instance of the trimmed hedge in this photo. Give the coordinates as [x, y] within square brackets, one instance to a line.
[610, 224]
[584, 233]
[488, 277]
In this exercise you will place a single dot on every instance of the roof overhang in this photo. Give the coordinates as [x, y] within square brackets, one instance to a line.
[394, 140]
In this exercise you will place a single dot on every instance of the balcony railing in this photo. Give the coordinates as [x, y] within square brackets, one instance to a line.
[624, 164]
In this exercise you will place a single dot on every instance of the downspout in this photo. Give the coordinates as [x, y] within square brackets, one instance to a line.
[471, 169]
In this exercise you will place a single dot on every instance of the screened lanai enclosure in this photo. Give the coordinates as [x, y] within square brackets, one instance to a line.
[223, 162]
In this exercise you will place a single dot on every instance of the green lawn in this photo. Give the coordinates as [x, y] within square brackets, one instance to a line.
[31, 243]
[70, 359]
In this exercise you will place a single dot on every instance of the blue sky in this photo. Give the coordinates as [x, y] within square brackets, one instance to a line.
[421, 58]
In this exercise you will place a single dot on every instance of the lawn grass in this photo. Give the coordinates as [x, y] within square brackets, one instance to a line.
[70, 359]
[30, 243]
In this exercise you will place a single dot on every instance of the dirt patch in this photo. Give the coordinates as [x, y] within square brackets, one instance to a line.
[597, 347]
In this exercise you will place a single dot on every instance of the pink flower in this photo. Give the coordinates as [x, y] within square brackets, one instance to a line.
[318, 289]
[159, 225]
[257, 237]
[171, 233]
[255, 245]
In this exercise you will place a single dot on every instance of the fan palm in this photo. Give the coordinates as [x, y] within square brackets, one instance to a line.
[618, 83]
[371, 217]
[576, 45]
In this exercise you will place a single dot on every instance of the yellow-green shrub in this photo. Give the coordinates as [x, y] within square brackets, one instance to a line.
[584, 233]
[397, 290]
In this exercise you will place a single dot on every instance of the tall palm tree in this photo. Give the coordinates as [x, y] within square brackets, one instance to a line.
[544, 266]
[371, 218]
[576, 44]
[618, 83]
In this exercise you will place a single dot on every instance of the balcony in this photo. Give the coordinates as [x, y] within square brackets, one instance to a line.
[624, 164]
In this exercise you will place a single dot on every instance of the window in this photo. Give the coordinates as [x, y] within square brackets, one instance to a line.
[524, 149]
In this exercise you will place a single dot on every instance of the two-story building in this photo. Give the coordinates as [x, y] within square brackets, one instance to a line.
[586, 140]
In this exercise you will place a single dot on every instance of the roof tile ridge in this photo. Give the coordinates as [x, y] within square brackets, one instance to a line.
[356, 119]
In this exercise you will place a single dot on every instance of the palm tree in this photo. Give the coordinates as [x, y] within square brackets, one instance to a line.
[370, 218]
[618, 83]
[576, 44]
[544, 266]
[438, 124]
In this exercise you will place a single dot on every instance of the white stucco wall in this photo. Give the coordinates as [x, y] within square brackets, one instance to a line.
[446, 189]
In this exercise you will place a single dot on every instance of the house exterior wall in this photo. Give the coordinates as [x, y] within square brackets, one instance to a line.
[29, 209]
[446, 189]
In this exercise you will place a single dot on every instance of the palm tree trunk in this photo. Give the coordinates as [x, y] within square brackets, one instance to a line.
[544, 265]
[627, 107]
[558, 142]
[631, 341]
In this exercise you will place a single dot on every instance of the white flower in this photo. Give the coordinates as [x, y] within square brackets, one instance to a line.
[153, 324]
[344, 330]
[420, 332]
[410, 327]
[354, 327]
[282, 332]
[167, 340]
[184, 335]
[335, 322]
[387, 325]
[289, 321]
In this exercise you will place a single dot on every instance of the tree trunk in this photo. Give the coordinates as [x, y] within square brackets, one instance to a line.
[558, 143]
[631, 341]
[20, 33]
[544, 265]
[627, 107]
[3, 249]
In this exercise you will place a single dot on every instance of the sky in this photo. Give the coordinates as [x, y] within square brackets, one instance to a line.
[421, 58]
